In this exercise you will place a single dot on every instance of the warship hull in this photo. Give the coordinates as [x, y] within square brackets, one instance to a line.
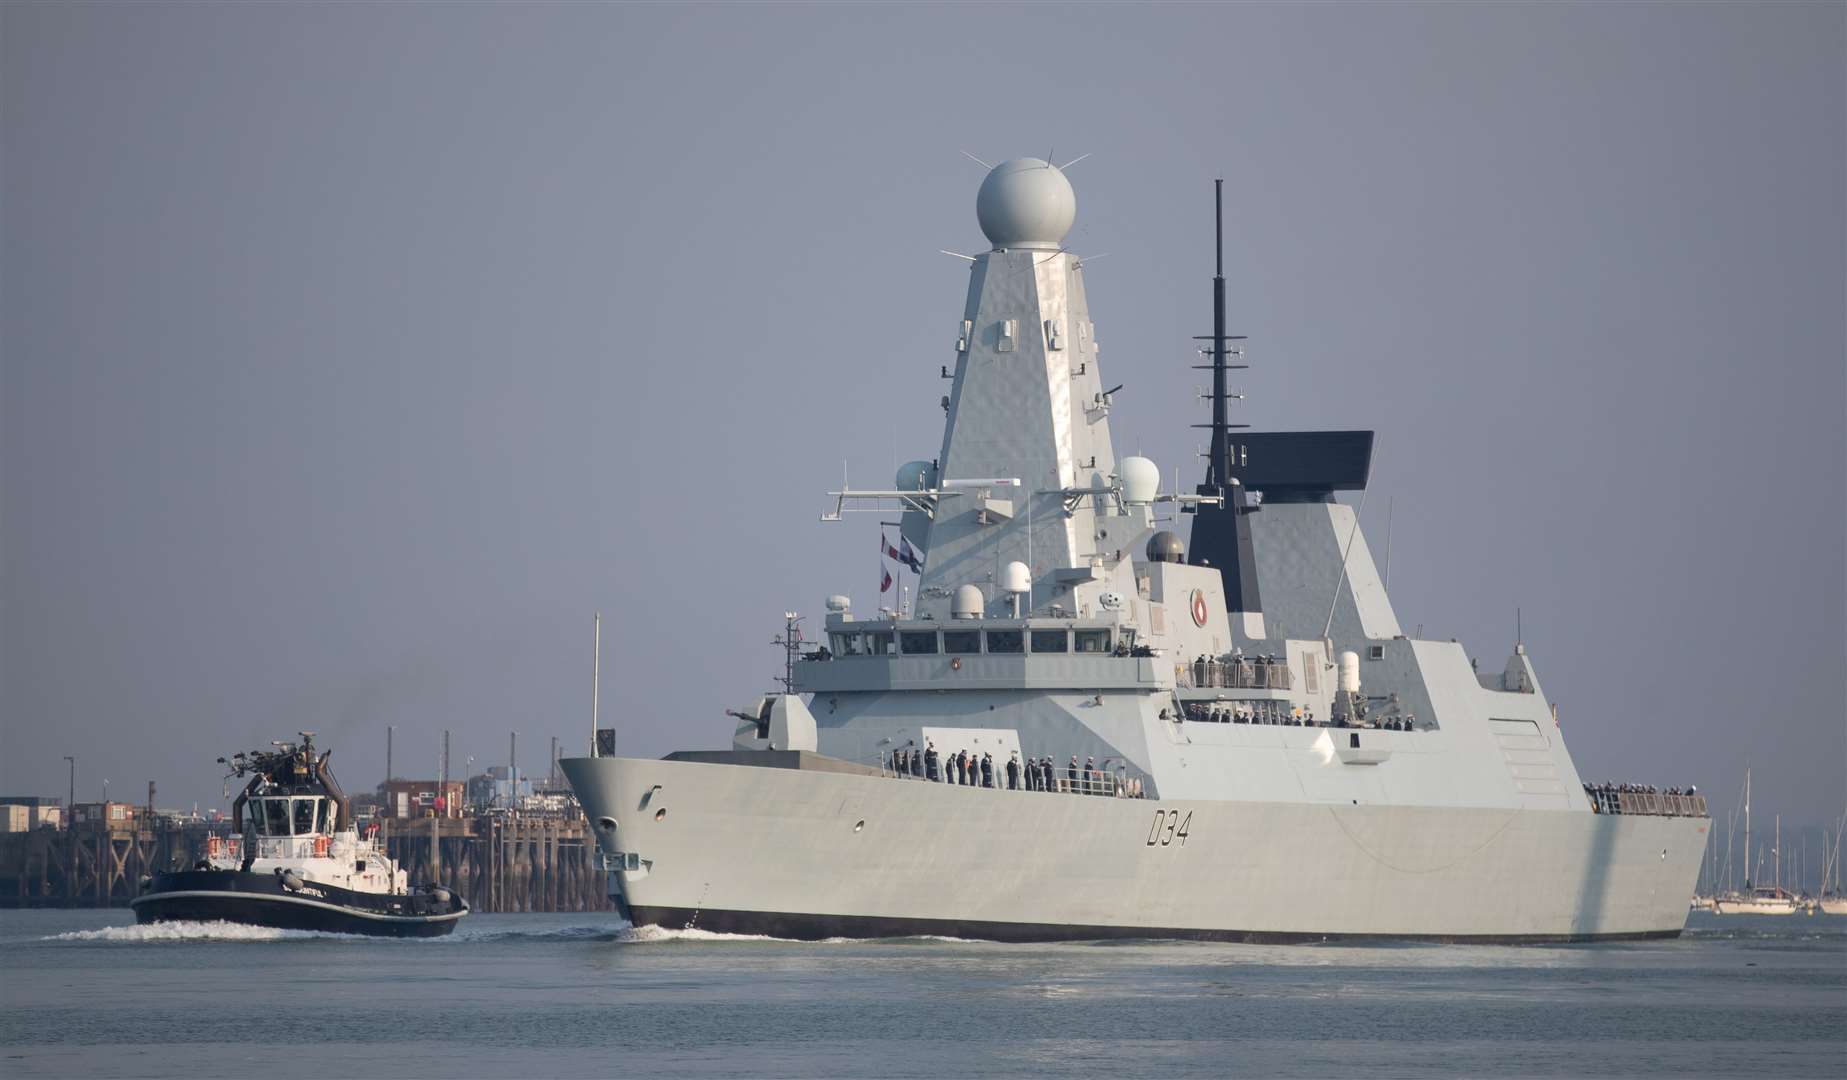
[814, 854]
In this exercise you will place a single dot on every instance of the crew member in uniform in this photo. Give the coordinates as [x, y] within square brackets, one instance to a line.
[987, 770]
[1013, 772]
[930, 761]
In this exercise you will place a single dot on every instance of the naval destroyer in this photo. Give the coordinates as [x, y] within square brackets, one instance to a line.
[1085, 727]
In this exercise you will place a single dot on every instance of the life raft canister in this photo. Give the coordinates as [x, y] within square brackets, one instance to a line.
[321, 844]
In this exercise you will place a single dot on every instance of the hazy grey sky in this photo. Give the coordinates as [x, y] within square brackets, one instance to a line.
[354, 354]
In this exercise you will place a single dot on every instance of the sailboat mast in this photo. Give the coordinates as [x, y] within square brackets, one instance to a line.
[1748, 868]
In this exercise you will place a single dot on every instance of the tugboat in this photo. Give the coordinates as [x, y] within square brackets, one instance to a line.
[301, 864]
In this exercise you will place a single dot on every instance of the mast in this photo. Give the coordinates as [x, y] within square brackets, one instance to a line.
[596, 677]
[1219, 467]
[1748, 868]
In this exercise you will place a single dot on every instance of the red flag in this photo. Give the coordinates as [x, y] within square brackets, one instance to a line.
[885, 585]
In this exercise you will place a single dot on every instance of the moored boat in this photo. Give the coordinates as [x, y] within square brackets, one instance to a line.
[300, 863]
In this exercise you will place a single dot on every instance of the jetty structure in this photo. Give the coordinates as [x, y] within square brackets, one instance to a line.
[1086, 727]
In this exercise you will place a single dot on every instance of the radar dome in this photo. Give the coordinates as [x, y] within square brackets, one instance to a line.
[1026, 203]
[916, 476]
[1166, 547]
[1141, 481]
[967, 603]
[1017, 578]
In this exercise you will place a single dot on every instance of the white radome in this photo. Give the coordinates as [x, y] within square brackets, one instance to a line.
[1026, 203]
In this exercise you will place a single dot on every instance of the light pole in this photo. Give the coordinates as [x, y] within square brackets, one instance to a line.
[105, 795]
[73, 796]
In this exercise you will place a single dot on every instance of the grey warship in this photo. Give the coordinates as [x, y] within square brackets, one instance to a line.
[1087, 728]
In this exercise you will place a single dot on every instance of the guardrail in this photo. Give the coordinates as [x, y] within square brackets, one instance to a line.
[1658, 804]
[1244, 673]
[1116, 783]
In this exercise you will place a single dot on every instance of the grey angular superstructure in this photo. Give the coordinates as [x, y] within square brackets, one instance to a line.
[1293, 768]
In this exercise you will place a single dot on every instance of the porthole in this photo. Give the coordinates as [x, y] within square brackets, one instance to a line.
[607, 824]
[861, 824]
[661, 814]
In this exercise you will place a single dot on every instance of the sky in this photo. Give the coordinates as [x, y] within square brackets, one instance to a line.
[354, 355]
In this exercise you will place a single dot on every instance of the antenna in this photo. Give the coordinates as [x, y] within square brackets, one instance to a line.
[791, 642]
[596, 678]
[1072, 162]
[976, 160]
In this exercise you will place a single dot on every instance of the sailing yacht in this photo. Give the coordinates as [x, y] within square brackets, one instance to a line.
[1763, 899]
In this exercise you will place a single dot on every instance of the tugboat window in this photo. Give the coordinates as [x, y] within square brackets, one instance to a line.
[304, 816]
[277, 823]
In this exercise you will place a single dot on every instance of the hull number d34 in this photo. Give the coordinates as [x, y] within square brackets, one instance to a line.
[1170, 828]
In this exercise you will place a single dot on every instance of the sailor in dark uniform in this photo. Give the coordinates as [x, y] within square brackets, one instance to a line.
[930, 762]
[962, 768]
[1013, 772]
[1071, 772]
[987, 770]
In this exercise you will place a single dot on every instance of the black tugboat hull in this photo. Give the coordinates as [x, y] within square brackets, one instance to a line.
[264, 900]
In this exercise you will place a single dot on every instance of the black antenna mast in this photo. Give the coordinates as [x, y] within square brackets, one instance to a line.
[1219, 460]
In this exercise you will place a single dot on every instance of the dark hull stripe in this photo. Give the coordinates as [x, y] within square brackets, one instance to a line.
[280, 915]
[817, 927]
[262, 900]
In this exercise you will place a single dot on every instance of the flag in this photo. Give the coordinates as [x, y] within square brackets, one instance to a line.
[891, 552]
[909, 557]
[885, 585]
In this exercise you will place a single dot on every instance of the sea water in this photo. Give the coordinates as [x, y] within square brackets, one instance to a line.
[87, 993]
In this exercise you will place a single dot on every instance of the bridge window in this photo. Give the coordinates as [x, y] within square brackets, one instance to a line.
[847, 645]
[879, 643]
[276, 817]
[918, 642]
[1051, 641]
[1093, 641]
[1006, 641]
[304, 815]
[962, 641]
[324, 818]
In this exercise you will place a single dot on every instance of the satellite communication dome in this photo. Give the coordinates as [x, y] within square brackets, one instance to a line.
[1141, 480]
[967, 604]
[1017, 578]
[839, 604]
[1026, 203]
[1165, 547]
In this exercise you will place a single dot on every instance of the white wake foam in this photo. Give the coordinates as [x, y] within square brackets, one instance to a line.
[186, 931]
[645, 935]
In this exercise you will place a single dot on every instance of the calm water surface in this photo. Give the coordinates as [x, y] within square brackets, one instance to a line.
[86, 993]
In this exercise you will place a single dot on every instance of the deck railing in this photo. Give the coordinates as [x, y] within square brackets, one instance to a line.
[1656, 803]
[1243, 673]
[1118, 782]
